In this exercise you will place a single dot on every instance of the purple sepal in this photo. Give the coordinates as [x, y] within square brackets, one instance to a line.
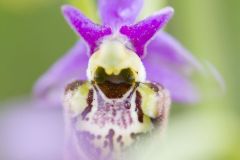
[139, 34]
[88, 30]
[119, 12]
[181, 87]
[31, 131]
[170, 64]
[72, 66]
[172, 52]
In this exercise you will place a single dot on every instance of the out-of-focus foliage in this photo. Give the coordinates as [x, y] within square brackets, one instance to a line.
[33, 35]
[89, 8]
[19, 6]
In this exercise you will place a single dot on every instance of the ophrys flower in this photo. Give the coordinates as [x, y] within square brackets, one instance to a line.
[111, 94]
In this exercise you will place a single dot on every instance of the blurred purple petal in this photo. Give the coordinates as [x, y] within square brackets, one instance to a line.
[89, 31]
[174, 78]
[50, 87]
[181, 88]
[29, 131]
[78, 145]
[172, 52]
[119, 12]
[139, 34]
[169, 63]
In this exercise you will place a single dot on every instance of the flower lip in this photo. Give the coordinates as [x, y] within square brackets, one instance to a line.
[113, 90]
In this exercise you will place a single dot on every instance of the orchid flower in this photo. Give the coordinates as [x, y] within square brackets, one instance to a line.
[118, 81]
[165, 60]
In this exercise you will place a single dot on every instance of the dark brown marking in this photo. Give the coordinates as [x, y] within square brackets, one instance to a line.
[74, 85]
[114, 112]
[99, 137]
[89, 102]
[114, 90]
[154, 121]
[110, 138]
[154, 87]
[134, 89]
[119, 139]
[135, 135]
[127, 105]
[138, 102]
[124, 121]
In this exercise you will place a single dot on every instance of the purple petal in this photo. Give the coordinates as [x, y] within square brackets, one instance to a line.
[181, 88]
[29, 131]
[78, 147]
[139, 34]
[119, 12]
[50, 87]
[89, 31]
[169, 65]
[172, 52]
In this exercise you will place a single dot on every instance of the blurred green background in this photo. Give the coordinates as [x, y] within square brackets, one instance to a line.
[33, 35]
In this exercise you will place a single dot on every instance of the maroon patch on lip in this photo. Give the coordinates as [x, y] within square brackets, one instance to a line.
[153, 87]
[138, 102]
[135, 135]
[99, 136]
[156, 87]
[119, 139]
[110, 138]
[89, 102]
[72, 86]
[127, 105]
[112, 90]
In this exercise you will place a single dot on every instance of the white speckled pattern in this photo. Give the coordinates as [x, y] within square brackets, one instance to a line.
[113, 124]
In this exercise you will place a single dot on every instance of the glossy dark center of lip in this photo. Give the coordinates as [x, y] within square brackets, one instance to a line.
[125, 76]
[114, 86]
[114, 90]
